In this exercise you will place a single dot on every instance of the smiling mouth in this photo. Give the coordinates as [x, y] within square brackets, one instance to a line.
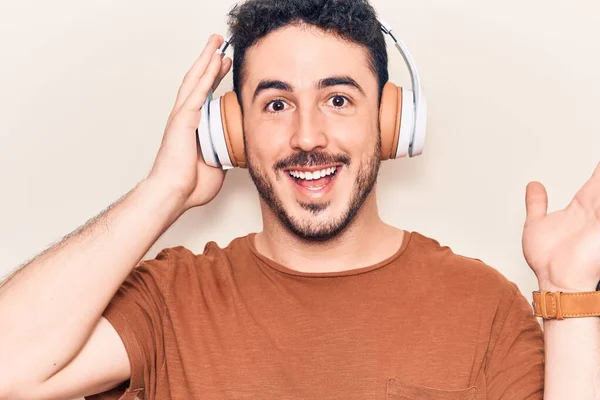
[316, 180]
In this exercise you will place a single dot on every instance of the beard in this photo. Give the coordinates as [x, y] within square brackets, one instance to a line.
[312, 230]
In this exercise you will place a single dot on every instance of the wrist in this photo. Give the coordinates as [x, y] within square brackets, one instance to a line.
[173, 200]
[567, 287]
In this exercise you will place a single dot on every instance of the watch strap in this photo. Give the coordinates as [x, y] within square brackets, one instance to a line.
[561, 305]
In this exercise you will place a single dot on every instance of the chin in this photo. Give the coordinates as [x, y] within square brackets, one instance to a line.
[314, 221]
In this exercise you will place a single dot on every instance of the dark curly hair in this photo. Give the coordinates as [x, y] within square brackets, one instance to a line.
[353, 20]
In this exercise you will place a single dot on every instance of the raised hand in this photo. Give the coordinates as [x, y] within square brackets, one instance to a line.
[563, 248]
[179, 166]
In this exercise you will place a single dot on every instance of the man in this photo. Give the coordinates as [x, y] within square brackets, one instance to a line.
[327, 301]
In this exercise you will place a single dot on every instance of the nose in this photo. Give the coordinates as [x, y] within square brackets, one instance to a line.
[309, 133]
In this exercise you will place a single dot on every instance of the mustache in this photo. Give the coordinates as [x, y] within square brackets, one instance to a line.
[311, 159]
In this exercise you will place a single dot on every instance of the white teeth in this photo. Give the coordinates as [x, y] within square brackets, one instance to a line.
[312, 175]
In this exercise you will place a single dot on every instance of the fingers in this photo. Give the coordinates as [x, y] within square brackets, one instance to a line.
[197, 70]
[198, 95]
[536, 201]
[596, 174]
[224, 69]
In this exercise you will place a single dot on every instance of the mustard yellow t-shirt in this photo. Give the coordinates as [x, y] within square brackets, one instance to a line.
[423, 324]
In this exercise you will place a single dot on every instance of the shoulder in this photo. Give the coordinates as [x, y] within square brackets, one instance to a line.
[181, 266]
[182, 257]
[458, 273]
[465, 288]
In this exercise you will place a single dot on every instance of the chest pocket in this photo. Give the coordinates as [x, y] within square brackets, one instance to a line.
[398, 390]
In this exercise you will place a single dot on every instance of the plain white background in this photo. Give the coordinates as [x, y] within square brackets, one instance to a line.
[86, 88]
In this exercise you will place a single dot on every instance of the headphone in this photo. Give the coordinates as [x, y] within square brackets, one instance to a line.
[402, 119]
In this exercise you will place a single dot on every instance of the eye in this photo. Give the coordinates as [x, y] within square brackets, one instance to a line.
[275, 106]
[338, 101]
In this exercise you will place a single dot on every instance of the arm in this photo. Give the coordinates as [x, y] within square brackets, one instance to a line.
[53, 341]
[563, 250]
[51, 306]
[572, 359]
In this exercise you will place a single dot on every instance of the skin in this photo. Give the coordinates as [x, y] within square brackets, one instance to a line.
[330, 125]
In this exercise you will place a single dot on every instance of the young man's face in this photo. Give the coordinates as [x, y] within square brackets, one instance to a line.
[311, 128]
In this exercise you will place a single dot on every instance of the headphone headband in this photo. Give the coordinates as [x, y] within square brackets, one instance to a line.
[225, 45]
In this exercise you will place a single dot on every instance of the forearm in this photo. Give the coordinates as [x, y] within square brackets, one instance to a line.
[49, 308]
[572, 359]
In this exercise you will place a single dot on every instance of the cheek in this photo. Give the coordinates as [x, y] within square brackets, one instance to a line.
[355, 135]
[267, 141]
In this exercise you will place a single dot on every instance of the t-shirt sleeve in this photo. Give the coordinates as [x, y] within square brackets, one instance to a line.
[136, 312]
[515, 364]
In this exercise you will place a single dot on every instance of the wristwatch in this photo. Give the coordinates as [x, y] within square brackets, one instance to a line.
[561, 305]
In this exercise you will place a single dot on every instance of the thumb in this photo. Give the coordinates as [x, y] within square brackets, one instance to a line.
[596, 174]
[536, 201]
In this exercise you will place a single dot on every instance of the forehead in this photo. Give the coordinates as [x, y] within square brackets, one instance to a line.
[302, 55]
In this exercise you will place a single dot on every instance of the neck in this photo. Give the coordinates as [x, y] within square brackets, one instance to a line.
[367, 240]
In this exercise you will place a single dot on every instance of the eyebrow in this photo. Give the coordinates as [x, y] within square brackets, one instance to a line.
[321, 84]
[339, 80]
[271, 84]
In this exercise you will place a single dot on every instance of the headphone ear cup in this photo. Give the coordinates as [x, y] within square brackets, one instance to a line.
[204, 137]
[231, 118]
[406, 124]
[217, 134]
[389, 119]
[396, 121]
[420, 127]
